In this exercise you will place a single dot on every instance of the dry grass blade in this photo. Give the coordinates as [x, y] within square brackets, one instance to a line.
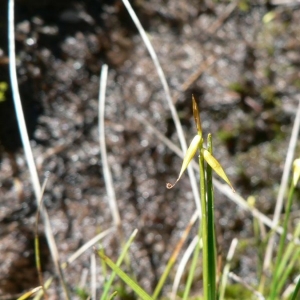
[40, 294]
[283, 186]
[29, 294]
[196, 114]
[37, 248]
[25, 140]
[240, 201]
[229, 257]
[184, 236]
[54, 253]
[87, 245]
[18, 104]
[246, 285]
[182, 266]
[168, 97]
[106, 170]
[218, 23]
[174, 255]
[285, 2]
[83, 278]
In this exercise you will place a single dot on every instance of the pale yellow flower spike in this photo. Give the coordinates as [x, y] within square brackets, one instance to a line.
[188, 157]
[216, 166]
[296, 171]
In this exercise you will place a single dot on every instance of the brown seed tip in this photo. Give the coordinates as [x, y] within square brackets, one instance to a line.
[196, 114]
[169, 185]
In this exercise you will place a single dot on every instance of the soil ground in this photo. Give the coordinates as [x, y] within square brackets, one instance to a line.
[243, 69]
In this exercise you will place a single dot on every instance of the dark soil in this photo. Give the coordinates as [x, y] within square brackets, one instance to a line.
[248, 96]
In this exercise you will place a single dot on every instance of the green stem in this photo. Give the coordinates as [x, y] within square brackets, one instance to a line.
[274, 289]
[211, 243]
[124, 252]
[296, 291]
[163, 279]
[206, 283]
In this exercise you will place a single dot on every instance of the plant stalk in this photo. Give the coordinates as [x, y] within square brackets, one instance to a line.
[211, 242]
[274, 288]
[203, 224]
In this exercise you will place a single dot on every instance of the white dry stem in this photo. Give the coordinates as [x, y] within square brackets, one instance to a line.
[105, 165]
[224, 16]
[172, 108]
[285, 2]
[83, 278]
[246, 285]
[39, 208]
[18, 104]
[183, 263]
[26, 143]
[89, 244]
[227, 267]
[283, 187]
[182, 266]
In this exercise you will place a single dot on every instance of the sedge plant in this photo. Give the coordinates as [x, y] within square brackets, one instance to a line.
[286, 255]
[206, 226]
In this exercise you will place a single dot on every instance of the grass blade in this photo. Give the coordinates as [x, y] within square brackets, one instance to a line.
[171, 105]
[296, 291]
[182, 265]
[274, 287]
[26, 143]
[87, 245]
[283, 186]
[37, 243]
[192, 268]
[106, 170]
[174, 256]
[18, 104]
[211, 237]
[203, 225]
[118, 264]
[40, 293]
[236, 278]
[227, 268]
[30, 293]
[132, 284]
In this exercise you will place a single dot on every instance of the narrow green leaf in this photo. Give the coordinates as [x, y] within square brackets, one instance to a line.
[296, 291]
[135, 287]
[211, 237]
[125, 249]
[281, 249]
[113, 295]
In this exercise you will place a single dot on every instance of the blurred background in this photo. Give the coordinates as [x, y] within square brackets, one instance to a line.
[239, 58]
